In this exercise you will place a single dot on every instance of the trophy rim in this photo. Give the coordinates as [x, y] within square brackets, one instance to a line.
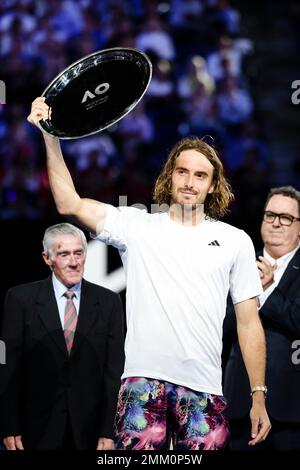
[135, 51]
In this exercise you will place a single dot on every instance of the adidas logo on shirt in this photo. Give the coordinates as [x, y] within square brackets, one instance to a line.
[214, 243]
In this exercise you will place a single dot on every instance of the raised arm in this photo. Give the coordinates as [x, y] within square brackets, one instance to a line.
[87, 212]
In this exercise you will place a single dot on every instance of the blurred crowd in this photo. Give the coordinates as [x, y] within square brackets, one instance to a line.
[199, 87]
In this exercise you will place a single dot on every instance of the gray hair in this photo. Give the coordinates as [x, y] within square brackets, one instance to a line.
[54, 231]
[288, 191]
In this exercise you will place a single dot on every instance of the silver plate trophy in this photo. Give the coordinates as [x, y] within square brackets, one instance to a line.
[95, 92]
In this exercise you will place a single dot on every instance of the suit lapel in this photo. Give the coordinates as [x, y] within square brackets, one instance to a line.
[49, 315]
[292, 271]
[88, 314]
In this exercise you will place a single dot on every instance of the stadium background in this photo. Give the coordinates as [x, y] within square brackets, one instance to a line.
[222, 69]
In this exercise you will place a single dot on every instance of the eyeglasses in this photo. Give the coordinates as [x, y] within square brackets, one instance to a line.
[284, 219]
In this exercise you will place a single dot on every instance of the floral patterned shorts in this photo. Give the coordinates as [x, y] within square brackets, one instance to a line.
[152, 412]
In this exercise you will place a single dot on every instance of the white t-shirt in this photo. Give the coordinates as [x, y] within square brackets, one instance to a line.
[178, 279]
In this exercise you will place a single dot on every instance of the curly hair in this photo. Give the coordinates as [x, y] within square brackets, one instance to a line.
[216, 204]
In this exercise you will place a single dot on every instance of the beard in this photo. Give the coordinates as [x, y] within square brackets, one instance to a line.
[178, 198]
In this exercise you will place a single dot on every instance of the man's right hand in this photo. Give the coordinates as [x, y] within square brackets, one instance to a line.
[266, 271]
[13, 443]
[88, 213]
[39, 110]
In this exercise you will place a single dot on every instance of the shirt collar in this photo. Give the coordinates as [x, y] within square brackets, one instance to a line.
[60, 288]
[283, 259]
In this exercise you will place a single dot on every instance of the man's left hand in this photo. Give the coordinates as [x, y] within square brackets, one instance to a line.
[260, 423]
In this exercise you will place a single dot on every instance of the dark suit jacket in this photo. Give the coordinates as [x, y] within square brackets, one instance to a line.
[40, 383]
[280, 316]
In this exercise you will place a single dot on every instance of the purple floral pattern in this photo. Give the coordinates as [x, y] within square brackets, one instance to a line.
[151, 411]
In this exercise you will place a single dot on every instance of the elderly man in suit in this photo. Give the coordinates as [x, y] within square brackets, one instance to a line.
[279, 266]
[64, 340]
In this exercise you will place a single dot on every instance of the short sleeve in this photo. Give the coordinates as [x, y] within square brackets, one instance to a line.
[119, 222]
[245, 282]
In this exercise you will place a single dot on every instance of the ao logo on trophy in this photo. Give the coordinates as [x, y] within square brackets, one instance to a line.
[95, 92]
[99, 90]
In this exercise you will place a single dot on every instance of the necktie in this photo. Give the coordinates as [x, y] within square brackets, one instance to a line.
[70, 319]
